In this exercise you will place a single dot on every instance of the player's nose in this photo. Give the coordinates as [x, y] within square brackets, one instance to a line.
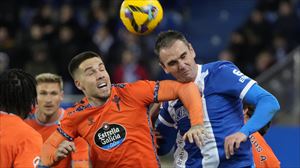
[181, 65]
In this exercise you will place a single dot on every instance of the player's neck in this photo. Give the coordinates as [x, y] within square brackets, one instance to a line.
[42, 118]
[96, 101]
[196, 72]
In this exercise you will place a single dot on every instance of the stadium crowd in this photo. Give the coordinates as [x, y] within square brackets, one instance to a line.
[43, 35]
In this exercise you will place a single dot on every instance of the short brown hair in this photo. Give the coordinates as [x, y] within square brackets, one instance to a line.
[49, 78]
[78, 59]
[167, 38]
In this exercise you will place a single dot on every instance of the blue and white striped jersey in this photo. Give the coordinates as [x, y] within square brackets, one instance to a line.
[223, 87]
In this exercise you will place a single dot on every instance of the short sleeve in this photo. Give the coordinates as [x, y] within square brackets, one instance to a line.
[226, 78]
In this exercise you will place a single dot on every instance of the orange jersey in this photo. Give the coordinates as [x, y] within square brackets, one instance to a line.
[20, 145]
[79, 158]
[119, 132]
[262, 153]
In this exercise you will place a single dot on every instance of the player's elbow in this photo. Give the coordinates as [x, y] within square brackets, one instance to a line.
[276, 105]
[273, 103]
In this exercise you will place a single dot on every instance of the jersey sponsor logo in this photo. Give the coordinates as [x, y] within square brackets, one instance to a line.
[239, 73]
[110, 136]
[181, 113]
[36, 161]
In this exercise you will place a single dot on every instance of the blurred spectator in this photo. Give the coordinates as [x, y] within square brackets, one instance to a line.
[288, 23]
[263, 61]
[227, 55]
[4, 62]
[6, 41]
[103, 40]
[257, 32]
[239, 48]
[99, 15]
[40, 62]
[65, 47]
[68, 27]
[66, 16]
[280, 47]
[129, 70]
[45, 19]
[8, 45]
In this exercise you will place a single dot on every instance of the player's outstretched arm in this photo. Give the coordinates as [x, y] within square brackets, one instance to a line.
[189, 95]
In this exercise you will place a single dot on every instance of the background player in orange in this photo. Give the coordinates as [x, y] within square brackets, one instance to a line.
[114, 119]
[263, 155]
[20, 144]
[48, 113]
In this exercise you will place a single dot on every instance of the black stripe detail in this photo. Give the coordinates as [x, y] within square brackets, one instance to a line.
[156, 88]
[64, 134]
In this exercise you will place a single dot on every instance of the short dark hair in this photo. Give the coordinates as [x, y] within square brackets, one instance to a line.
[17, 92]
[167, 38]
[78, 59]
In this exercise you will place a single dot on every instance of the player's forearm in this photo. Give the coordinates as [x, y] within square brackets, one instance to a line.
[188, 93]
[49, 149]
[266, 106]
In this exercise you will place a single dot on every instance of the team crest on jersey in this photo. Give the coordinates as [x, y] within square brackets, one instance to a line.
[181, 113]
[110, 136]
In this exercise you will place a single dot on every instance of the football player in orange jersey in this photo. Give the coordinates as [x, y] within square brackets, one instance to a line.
[114, 119]
[48, 114]
[263, 155]
[20, 145]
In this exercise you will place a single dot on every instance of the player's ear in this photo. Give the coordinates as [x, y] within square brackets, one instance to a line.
[61, 95]
[164, 67]
[78, 84]
[192, 50]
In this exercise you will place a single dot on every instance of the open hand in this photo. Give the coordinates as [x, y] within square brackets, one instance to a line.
[196, 133]
[232, 142]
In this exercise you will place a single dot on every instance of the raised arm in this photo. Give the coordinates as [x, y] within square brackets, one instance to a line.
[189, 95]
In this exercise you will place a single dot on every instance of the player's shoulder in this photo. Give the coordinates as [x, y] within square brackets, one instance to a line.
[119, 85]
[217, 65]
[133, 86]
[138, 83]
[22, 130]
[78, 107]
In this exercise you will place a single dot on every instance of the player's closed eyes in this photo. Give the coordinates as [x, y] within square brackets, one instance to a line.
[90, 72]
